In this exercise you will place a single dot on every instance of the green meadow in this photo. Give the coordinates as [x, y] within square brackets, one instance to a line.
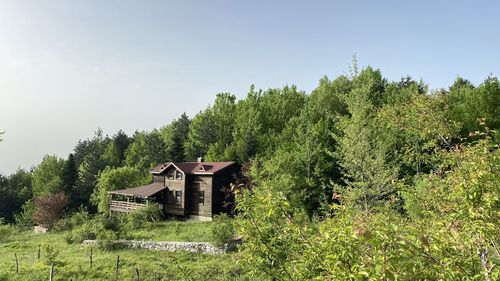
[72, 261]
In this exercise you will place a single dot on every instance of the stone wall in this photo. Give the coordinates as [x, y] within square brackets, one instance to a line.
[193, 247]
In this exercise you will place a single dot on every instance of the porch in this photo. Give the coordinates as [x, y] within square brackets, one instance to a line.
[131, 199]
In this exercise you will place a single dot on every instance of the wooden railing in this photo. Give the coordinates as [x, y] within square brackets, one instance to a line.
[124, 206]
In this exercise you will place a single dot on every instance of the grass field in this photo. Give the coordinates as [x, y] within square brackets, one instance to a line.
[72, 260]
[195, 231]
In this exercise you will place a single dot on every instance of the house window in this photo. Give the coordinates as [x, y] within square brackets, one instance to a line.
[178, 175]
[178, 197]
[201, 197]
[170, 175]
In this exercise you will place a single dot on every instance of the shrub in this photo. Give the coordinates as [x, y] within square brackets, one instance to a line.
[5, 231]
[86, 231]
[77, 235]
[106, 240]
[223, 230]
[137, 218]
[24, 219]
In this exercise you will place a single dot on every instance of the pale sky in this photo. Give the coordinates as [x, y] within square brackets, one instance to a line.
[69, 67]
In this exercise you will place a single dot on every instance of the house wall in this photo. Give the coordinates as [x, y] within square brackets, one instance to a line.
[158, 178]
[174, 185]
[196, 184]
[191, 186]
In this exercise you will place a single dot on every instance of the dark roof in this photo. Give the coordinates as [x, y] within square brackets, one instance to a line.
[195, 168]
[141, 191]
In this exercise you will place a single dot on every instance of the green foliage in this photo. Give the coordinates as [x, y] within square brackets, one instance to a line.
[112, 179]
[47, 176]
[416, 127]
[69, 176]
[362, 147]
[5, 230]
[83, 227]
[15, 189]
[24, 219]
[146, 151]
[139, 217]
[467, 104]
[106, 240]
[201, 135]
[450, 231]
[89, 160]
[50, 253]
[223, 230]
[174, 136]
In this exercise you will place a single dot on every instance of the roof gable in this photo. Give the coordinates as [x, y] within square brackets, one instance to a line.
[207, 168]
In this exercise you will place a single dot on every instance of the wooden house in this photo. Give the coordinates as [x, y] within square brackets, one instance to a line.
[192, 189]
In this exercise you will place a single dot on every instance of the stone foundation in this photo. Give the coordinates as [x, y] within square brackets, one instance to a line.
[193, 247]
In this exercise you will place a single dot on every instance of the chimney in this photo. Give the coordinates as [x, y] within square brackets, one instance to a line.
[200, 159]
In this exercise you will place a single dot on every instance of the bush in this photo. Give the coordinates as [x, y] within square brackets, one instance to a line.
[86, 231]
[77, 235]
[24, 219]
[5, 230]
[106, 240]
[75, 220]
[223, 230]
[137, 218]
[49, 208]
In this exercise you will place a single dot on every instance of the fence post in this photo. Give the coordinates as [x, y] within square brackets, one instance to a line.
[91, 257]
[39, 251]
[17, 264]
[51, 271]
[117, 266]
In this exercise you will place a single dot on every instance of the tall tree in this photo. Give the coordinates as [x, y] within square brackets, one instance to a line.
[362, 149]
[224, 112]
[69, 176]
[122, 142]
[47, 176]
[89, 160]
[247, 127]
[201, 135]
[174, 136]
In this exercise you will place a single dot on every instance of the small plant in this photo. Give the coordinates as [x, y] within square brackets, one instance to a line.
[223, 230]
[177, 228]
[50, 253]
